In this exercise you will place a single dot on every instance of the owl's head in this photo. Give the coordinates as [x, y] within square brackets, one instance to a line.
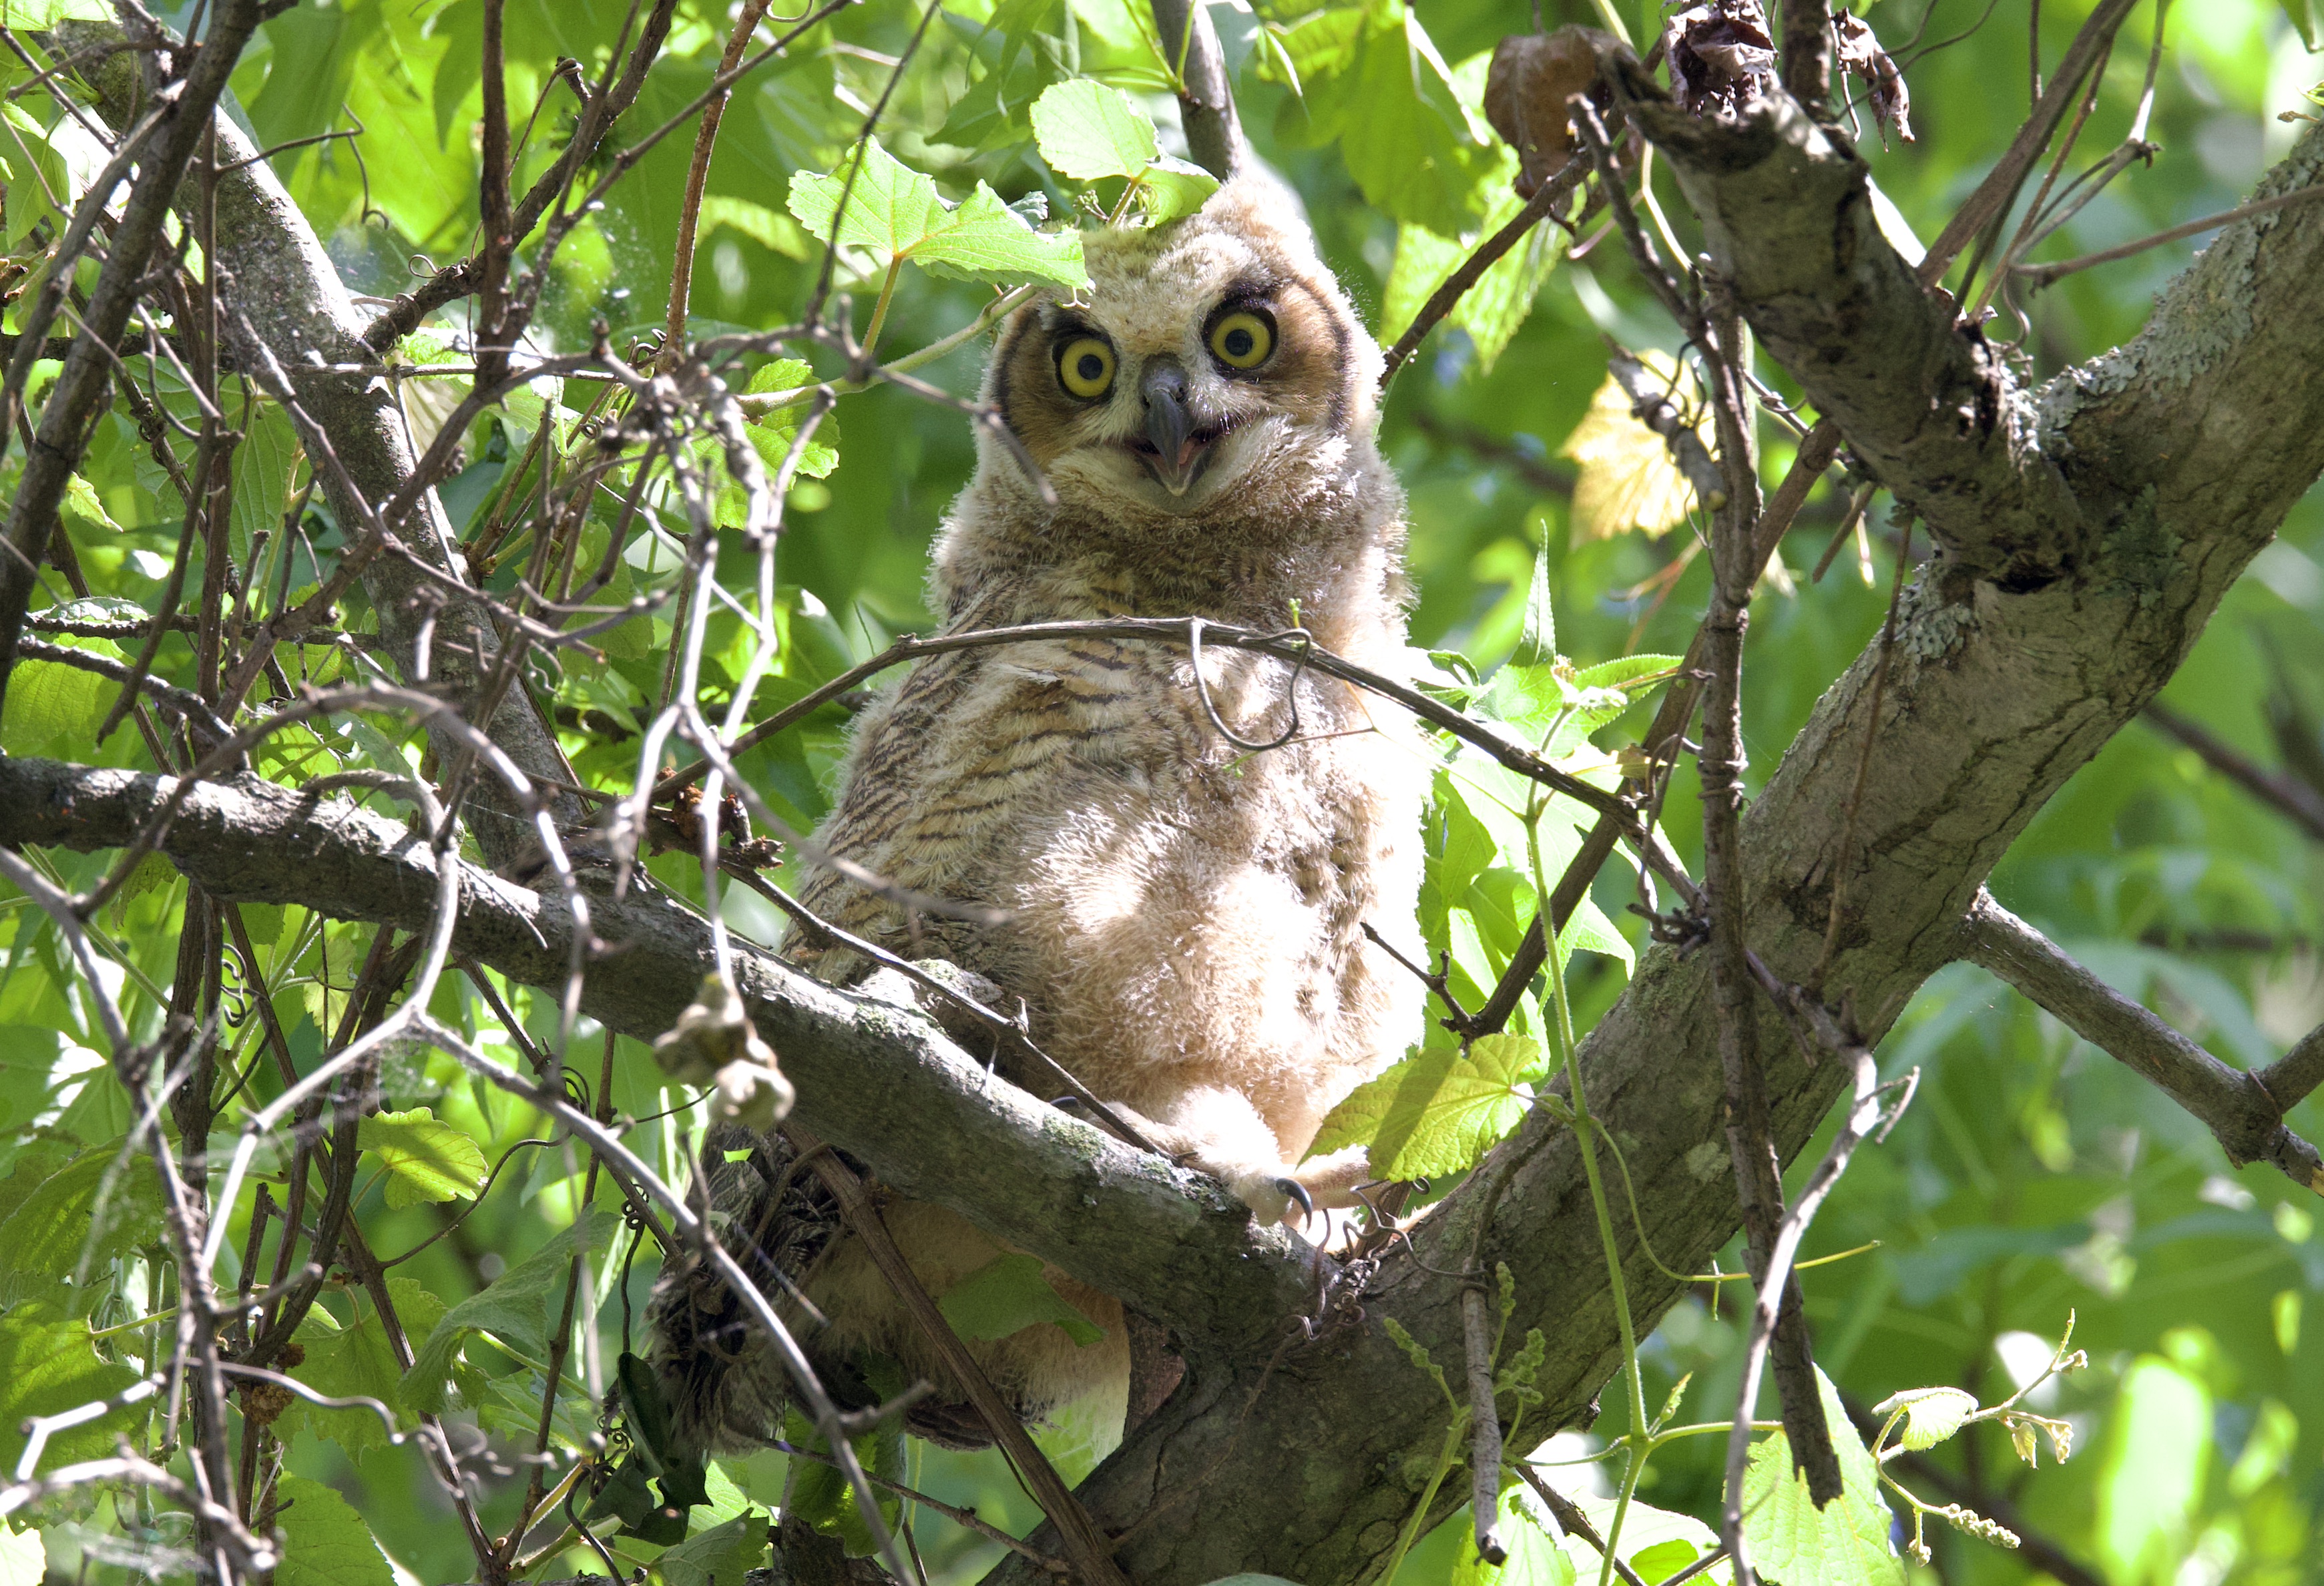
[1214, 367]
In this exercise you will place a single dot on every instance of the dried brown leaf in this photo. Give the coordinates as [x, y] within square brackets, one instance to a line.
[1860, 55]
[1532, 77]
[1722, 58]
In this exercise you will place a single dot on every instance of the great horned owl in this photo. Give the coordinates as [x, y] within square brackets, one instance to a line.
[1184, 914]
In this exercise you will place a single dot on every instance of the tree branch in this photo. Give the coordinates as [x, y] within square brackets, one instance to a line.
[1927, 407]
[935, 1126]
[1207, 107]
[2233, 1103]
[290, 296]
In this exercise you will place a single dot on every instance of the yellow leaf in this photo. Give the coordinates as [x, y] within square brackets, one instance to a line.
[1628, 479]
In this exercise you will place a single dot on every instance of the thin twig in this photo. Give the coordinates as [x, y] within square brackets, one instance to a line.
[2234, 1104]
[2042, 275]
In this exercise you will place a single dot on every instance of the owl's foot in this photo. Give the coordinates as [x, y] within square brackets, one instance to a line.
[1275, 1194]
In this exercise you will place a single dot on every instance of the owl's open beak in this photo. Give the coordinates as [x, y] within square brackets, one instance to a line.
[1175, 447]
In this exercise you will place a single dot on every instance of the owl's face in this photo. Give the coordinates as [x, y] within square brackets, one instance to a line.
[1209, 354]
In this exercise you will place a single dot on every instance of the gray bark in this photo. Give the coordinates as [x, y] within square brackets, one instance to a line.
[283, 288]
[2085, 533]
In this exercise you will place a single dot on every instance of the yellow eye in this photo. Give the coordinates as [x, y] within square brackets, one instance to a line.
[1085, 367]
[1242, 340]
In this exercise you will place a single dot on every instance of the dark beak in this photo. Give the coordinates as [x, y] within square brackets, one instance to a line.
[1174, 449]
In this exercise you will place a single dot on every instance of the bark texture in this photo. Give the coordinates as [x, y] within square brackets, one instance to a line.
[284, 302]
[2086, 531]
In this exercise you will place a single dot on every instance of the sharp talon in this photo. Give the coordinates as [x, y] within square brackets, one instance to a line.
[1298, 1191]
[1065, 1103]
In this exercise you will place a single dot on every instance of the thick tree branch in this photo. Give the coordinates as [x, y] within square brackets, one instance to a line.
[1925, 403]
[287, 295]
[1207, 107]
[935, 1126]
[2233, 1103]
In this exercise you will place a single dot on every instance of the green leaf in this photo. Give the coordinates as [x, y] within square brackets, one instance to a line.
[37, 175]
[265, 467]
[723, 1554]
[324, 1541]
[1438, 1112]
[1663, 1560]
[357, 1361]
[1498, 304]
[1008, 1295]
[519, 1309]
[1407, 125]
[96, 1207]
[2153, 1465]
[1537, 643]
[1173, 188]
[55, 709]
[1651, 1539]
[1534, 1557]
[49, 1366]
[425, 1160]
[2305, 17]
[1087, 130]
[895, 211]
[22, 1560]
[1932, 1415]
[1843, 1543]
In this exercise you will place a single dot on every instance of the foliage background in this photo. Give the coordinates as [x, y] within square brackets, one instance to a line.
[2033, 1176]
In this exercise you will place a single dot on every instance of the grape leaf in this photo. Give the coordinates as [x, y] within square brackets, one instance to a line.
[894, 210]
[325, 1542]
[94, 1208]
[1843, 1543]
[1438, 1112]
[1009, 1294]
[49, 1366]
[1087, 130]
[357, 1361]
[425, 1160]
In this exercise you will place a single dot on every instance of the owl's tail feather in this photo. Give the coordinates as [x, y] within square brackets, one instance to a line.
[723, 1386]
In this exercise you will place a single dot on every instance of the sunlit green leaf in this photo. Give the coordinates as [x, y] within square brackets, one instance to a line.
[1932, 1415]
[1792, 1541]
[1438, 1112]
[1534, 1557]
[1087, 130]
[24, 1560]
[426, 1160]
